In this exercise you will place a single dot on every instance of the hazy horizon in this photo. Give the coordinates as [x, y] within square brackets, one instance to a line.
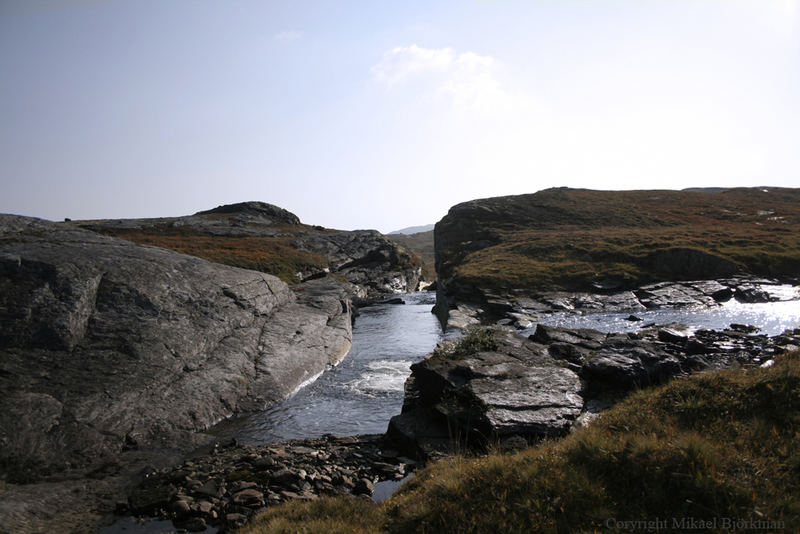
[368, 115]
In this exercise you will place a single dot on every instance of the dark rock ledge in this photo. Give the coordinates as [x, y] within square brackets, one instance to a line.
[521, 308]
[231, 483]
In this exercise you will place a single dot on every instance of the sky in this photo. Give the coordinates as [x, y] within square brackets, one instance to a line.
[385, 114]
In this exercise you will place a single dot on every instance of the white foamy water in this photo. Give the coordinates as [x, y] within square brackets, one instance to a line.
[382, 376]
[772, 318]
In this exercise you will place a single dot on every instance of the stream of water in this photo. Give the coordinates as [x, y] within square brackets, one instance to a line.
[364, 391]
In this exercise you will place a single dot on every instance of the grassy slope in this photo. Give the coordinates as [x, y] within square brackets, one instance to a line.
[273, 255]
[566, 238]
[714, 445]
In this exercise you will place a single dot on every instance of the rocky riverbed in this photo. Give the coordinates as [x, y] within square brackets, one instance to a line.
[523, 308]
[229, 484]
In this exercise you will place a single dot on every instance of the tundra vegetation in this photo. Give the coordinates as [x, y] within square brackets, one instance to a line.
[569, 238]
[274, 255]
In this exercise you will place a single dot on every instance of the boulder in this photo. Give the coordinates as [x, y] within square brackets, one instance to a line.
[514, 390]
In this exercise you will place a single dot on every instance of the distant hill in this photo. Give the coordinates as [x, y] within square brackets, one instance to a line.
[577, 239]
[413, 229]
[270, 239]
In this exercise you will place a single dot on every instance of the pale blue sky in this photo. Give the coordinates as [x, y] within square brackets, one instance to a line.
[384, 114]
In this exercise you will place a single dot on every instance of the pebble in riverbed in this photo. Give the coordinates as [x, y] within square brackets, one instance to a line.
[225, 488]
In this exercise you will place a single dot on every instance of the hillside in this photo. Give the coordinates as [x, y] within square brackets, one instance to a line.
[575, 239]
[421, 244]
[266, 238]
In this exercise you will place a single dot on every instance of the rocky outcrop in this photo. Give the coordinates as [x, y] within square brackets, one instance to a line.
[228, 486]
[373, 264]
[366, 259]
[598, 242]
[515, 390]
[247, 211]
[540, 386]
[108, 346]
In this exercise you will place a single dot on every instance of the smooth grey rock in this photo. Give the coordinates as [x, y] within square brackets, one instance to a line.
[106, 345]
[670, 295]
[589, 339]
[671, 335]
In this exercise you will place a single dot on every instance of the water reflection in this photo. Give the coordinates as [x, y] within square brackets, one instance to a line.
[772, 318]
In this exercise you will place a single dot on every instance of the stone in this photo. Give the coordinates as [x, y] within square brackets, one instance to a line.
[694, 346]
[235, 520]
[364, 486]
[205, 506]
[515, 389]
[396, 300]
[148, 501]
[751, 293]
[670, 335]
[615, 369]
[589, 339]
[180, 508]
[283, 477]
[211, 489]
[248, 497]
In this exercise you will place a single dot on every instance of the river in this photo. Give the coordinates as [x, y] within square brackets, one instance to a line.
[365, 390]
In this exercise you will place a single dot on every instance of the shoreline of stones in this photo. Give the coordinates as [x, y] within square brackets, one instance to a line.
[226, 486]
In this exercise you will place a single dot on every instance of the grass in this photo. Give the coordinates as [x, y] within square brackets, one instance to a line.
[476, 339]
[566, 239]
[273, 255]
[343, 515]
[711, 446]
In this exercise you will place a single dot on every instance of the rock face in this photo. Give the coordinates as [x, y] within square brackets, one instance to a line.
[516, 390]
[365, 258]
[535, 387]
[106, 345]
